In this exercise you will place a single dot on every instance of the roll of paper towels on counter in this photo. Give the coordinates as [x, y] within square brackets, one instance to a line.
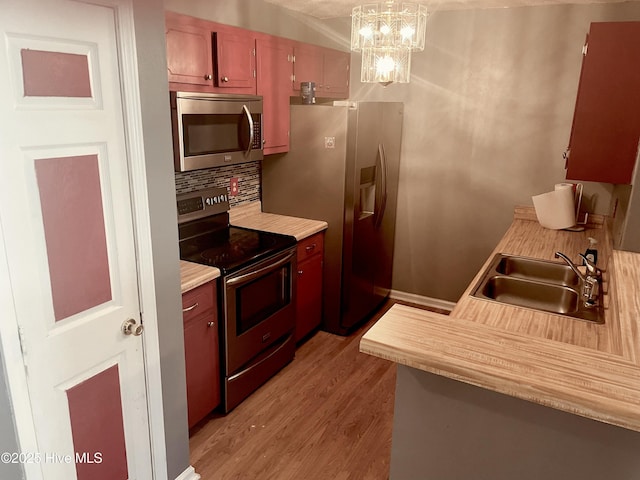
[556, 210]
[561, 186]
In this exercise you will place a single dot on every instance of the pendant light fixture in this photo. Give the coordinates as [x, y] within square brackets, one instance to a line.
[386, 34]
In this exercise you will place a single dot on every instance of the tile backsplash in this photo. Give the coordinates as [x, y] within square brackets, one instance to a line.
[248, 175]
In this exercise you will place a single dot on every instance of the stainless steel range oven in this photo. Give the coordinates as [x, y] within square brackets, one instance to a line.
[257, 289]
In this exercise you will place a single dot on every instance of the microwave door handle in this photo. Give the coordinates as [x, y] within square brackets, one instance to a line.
[250, 122]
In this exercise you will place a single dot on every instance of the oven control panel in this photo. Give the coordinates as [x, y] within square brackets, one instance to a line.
[202, 203]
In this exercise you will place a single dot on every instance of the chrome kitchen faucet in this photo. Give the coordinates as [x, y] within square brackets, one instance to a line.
[590, 281]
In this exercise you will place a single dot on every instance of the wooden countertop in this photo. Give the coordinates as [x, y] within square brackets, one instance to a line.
[251, 215]
[575, 366]
[193, 275]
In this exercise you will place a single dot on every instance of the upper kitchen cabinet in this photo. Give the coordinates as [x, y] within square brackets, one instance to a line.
[335, 74]
[308, 65]
[235, 59]
[189, 59]
[204, 56]
[606, 126]
[274, 65]
[328, 68]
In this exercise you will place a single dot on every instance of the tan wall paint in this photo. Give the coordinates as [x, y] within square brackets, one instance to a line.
[487, 116]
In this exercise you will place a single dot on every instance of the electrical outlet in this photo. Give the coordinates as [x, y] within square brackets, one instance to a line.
[329, 142]
[234, 188]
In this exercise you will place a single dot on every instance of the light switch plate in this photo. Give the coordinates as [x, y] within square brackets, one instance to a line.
[329, 142]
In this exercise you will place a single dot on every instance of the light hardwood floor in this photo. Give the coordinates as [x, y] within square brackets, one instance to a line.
[326, 416]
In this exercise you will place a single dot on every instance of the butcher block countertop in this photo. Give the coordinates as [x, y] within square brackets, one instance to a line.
[587, 369]
[250, 215]
[193, 275]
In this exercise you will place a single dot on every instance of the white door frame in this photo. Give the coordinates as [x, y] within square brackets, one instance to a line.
[9, 333]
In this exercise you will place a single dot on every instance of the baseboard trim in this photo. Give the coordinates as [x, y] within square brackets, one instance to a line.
[189, 474]
[422, 300]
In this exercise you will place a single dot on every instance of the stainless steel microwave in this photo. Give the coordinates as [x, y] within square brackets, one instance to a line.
[210, 130]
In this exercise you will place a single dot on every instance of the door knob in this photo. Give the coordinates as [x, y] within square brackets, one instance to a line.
[131, 327]
[225, 79]
[211, 324]
[208, 76]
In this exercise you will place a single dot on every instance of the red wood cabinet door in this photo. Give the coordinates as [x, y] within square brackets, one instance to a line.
[202, 359]
[606, 123]
[307, 66]
[188, 53]
[309, 301]
[274, 59]
[336, 66]
[235, 60]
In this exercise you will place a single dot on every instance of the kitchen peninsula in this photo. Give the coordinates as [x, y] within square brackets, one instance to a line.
[524, 361]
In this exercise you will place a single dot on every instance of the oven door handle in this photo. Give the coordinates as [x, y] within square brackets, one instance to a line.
[247, 277]
[250, 122]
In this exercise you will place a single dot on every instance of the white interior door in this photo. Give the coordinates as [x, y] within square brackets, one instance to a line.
[66, 215]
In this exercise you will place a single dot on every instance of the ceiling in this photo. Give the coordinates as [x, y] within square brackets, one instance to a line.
[342, 8]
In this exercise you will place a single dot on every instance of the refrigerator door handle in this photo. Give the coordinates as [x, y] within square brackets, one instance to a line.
[381, 187]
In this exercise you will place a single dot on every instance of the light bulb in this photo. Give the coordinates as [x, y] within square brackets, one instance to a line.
[407, 32]
[385, 65]
[366, 32]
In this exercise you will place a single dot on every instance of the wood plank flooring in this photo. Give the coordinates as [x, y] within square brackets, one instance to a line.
[326, 416]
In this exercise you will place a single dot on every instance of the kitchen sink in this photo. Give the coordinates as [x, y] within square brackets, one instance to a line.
[538, 284]
[538, 270]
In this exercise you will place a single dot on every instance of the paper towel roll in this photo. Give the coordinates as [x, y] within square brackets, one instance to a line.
[555, 210]
[561, 186]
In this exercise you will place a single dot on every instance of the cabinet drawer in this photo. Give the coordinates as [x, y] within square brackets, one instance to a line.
[310, 246]
[198, 300]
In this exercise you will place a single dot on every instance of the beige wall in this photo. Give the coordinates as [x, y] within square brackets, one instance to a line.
[487, 116]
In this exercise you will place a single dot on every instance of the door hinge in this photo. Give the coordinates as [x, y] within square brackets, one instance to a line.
[254, 74]
[565, 155]
[254, 52]
[585, 47]
[293, 58]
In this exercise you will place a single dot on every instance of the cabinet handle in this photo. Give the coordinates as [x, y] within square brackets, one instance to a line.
[310, 248]
[300, 272]
[192, 307]
[225, 79]
[208, 76]
[211, 324]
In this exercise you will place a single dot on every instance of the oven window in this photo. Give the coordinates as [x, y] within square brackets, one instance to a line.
[258, 300]
[207, 134]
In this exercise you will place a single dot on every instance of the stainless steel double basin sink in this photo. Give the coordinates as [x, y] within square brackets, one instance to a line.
[538, 284]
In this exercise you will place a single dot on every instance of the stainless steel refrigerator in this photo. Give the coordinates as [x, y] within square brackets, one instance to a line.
[342, 167]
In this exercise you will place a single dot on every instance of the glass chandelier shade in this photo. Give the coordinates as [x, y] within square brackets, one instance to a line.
[386, 34]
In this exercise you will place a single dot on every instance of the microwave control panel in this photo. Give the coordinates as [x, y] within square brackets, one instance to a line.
[257, 133]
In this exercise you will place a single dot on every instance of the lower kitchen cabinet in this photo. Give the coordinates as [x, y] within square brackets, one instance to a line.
[201, 347]
[309, 300]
